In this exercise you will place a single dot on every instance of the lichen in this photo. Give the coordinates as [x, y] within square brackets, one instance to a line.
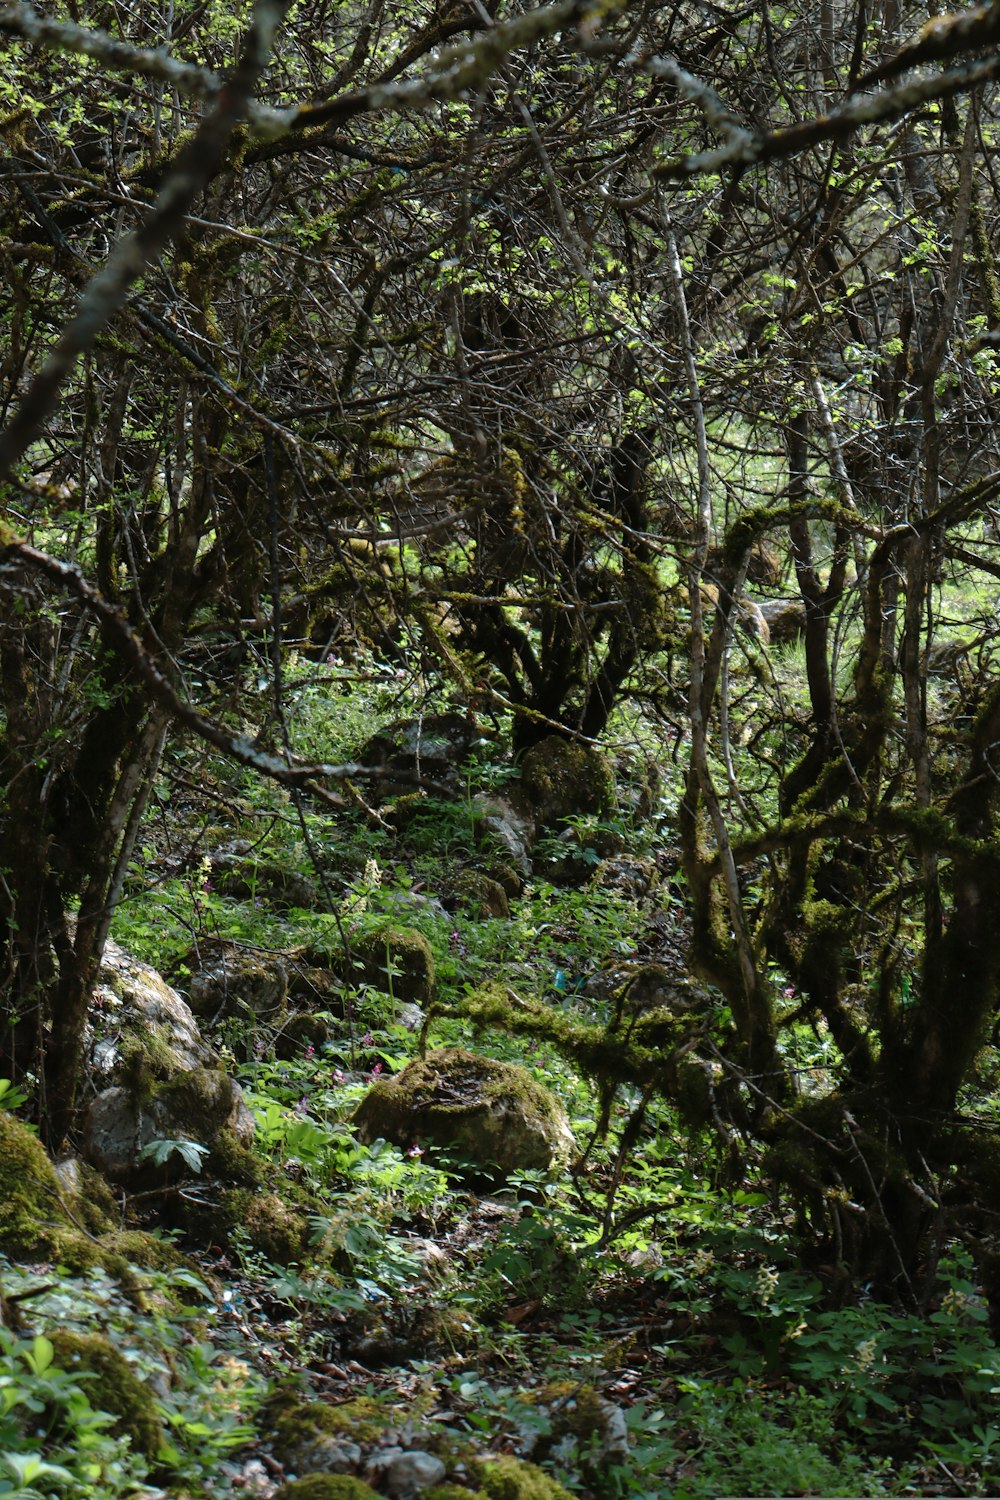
[116, 1387]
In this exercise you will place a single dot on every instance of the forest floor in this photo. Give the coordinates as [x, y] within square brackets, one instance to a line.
[645, 1320]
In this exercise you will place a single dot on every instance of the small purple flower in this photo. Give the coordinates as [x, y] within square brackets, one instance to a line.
[415, 1150]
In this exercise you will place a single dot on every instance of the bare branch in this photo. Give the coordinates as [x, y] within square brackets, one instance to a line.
[746, 150]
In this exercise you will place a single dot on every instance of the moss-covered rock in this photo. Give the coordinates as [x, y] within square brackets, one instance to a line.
[228, 979]
[149, 1252]
[563, 779]
[268, 1221]
[301, 1031]
[87, 1196]
[581, 1413]
[786, 620]
[312, 1437]
[480, 895]
[36, 1220]
[43, 1218]
[235, 872]
[512, 1479]
[116, 1388]
[432, 746]
[326, 1487]
[139, 1030]
[492, 1112]
[198, 1105]
[395, 959]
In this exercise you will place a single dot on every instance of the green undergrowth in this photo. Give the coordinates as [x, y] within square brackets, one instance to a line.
[656, 1278]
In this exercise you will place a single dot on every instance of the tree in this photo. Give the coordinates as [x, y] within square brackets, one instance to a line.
[480, 352]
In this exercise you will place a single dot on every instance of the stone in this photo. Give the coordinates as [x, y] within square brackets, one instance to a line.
[326, 1487]
[579, 1413]
[230, 980]
[632, 874]
[508, 1478]
[507, 835]
[115, 1387]
[136, 1017]
[785, 619]
[483, 897]
[406, 1473]
[428, 748]
[562, 779]
[198, 1106]
[492, 1112]
[397, 960]
[234, 871]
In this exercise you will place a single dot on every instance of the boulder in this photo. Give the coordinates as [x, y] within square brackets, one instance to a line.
[397, 960]
[578, 1414]
[481, 896]
[507, 1478]
[492, 1112]
[428, 748]
[137, 1020]
[562, 779]
[155, 1077]
[114, 1387]
[785, 619]
[506, 834]
[235, 871]
[196, 1106]
[230, 980]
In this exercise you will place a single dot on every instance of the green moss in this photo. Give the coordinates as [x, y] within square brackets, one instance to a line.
[116, 1389]
[512, 1479]
[362, 1421]
[279, 1231]
[233, 1162]
[561, 779]
[146, 1059]
[87, 1197]
[147, 1251]
[482, 896]
[203, 1098]
[397, 960]
[493, 1112]
[454, 1492]
[326, 1487]
[33, 1217]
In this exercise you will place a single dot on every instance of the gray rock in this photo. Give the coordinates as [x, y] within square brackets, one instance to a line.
[134, 1008]
[785, 620]
[405, 1473]
[194, 1106]
[228, 980]
[324, 1453]
[511, 833]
